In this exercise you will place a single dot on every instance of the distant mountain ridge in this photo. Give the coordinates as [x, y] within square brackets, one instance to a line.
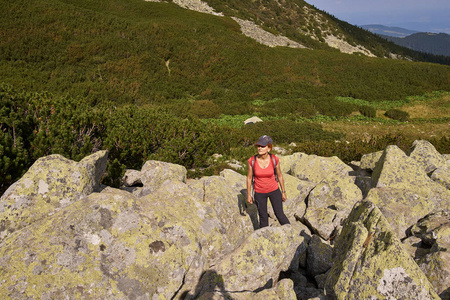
[389, 31]
[434, 43]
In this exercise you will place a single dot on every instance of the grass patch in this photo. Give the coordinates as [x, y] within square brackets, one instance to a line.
[439, 98]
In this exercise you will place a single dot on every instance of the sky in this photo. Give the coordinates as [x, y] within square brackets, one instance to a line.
[419, 15]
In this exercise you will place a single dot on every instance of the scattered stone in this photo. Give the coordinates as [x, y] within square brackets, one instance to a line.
[252, 120]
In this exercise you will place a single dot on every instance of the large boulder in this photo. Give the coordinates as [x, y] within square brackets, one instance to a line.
[434, 257]
[402, 208]
[318, 169]
[398, 171]
[370, 160]
[371, 263]
[225, 220]
[330, 202]
[403, 190]
[155, 173]
[256, 264]
[442, 175]
[51, 183]
[102, 246]
[426, 155]
[288, 161]
[332, 192]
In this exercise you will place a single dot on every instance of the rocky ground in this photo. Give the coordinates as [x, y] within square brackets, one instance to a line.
[378, 228]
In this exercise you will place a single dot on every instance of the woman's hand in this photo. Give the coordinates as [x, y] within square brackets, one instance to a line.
[249, 199]
[283, 196]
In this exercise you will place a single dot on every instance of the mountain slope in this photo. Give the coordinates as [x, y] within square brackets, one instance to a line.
[297, 24]
[300, 22]
[132, 51]
[434, 43]
[388, 30]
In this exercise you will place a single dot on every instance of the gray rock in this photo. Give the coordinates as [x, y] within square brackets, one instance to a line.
[398, 171]
[434, 230]
[155, 173]
[256, 264]
[330, 202]
[317, 168]
[369, 161]
[319, 256]
[102, 245]
[370, 262]
[132, 178]
[225, 219]
[51, 183]
[426, 155]
[442, 175]
[252, 120]
[402, 208]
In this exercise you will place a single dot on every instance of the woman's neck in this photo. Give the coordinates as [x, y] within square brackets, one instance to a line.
[263, 156]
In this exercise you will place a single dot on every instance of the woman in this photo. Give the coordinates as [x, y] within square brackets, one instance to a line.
[262, 175]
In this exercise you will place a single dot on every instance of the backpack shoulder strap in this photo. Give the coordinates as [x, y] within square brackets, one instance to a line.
[274, 166]
[253, 169]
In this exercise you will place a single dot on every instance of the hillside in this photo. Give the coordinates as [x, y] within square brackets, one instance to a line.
[142, 52]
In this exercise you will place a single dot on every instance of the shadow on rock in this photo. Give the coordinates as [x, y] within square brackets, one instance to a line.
[250, 209]
[210, 283]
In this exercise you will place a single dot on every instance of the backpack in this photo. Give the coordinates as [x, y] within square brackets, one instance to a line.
[274, 168]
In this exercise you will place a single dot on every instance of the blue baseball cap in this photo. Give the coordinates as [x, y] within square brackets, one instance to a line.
[264, 141]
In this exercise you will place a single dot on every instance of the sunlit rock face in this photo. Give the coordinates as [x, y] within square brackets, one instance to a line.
[165, 236]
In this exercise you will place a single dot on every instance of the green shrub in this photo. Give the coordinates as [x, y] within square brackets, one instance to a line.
[368, 111]
[36, 125]
[283, 107]
[204, 109]
[122, 53]
[332, 107]
[349, 151]
[397, 114]
[285, 131]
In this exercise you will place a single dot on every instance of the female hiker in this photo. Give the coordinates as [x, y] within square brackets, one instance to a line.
[263, 170]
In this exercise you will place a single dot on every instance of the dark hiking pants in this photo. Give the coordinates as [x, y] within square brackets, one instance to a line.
[277, 204]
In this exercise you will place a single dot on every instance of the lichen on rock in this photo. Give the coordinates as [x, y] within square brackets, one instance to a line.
[52, 182]
[370, 261]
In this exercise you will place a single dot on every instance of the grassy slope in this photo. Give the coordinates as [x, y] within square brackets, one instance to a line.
[123, 51]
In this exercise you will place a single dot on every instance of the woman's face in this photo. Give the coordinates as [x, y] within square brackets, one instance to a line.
[263, 149]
